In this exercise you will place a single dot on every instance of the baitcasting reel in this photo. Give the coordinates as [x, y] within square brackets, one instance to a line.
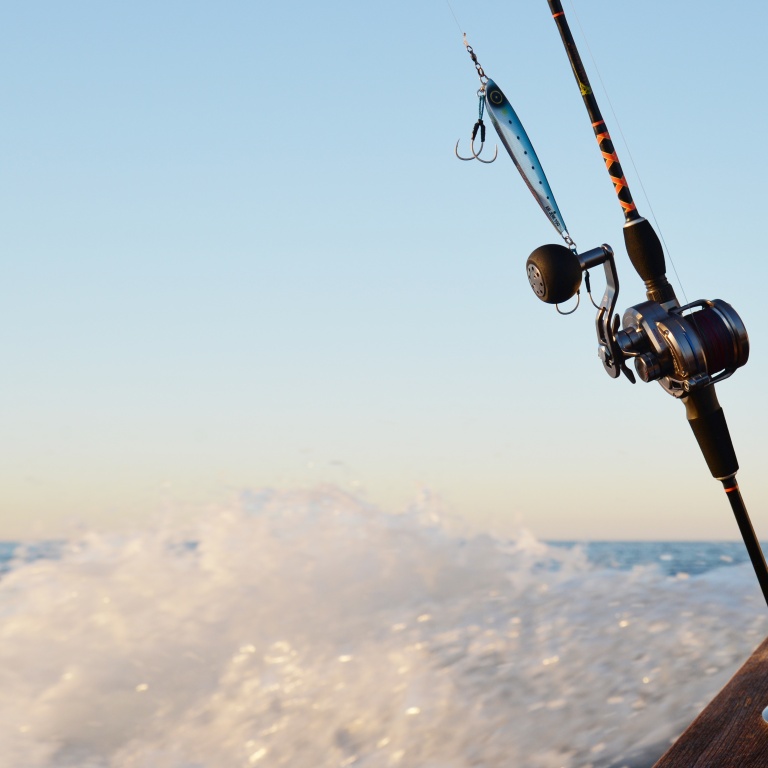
[687, 349]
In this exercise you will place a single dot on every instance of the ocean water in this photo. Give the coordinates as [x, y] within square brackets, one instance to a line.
[311, 629]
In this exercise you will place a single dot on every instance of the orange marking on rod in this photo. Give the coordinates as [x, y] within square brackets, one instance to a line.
[559, 13]
[610, 158]
[599, 122]
[731, 490]
[619, 184]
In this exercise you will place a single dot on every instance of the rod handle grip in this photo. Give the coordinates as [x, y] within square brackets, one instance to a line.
[647, 257]
[707, 420]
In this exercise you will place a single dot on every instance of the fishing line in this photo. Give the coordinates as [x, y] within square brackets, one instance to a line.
[450, 7]
[629, 151]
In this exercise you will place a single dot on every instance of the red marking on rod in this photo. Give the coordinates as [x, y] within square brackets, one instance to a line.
[731, 490]
[559, 13]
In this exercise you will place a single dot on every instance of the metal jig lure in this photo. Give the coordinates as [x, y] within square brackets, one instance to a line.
[517, 143]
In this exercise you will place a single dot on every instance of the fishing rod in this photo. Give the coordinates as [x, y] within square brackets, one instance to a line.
[686, 349]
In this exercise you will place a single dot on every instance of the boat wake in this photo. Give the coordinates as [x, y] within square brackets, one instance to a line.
[312, 629]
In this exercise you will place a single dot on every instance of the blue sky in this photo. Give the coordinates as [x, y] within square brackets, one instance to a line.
[238, 252]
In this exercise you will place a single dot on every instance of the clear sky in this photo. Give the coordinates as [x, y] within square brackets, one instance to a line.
[237, 252]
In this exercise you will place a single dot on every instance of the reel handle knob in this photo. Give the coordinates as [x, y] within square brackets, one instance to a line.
[554, 273]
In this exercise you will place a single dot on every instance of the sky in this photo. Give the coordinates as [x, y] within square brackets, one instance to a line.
[239, 253]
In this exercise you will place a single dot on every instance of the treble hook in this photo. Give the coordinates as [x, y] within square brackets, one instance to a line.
[476, 155]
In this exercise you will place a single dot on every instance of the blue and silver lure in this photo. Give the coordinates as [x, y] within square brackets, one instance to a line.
[516, 141]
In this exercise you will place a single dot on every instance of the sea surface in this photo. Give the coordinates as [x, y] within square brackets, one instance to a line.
[312, 629]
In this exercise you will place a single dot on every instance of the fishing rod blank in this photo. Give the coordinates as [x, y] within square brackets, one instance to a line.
[642, 243]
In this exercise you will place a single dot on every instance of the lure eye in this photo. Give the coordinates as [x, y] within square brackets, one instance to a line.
[496, 97]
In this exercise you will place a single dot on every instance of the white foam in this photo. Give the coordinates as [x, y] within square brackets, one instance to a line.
[310, 629]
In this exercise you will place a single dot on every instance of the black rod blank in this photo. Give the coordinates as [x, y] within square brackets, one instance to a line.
[747, 533]
[598, 125]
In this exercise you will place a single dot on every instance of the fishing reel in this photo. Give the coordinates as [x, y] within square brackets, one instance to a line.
[687, 349]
